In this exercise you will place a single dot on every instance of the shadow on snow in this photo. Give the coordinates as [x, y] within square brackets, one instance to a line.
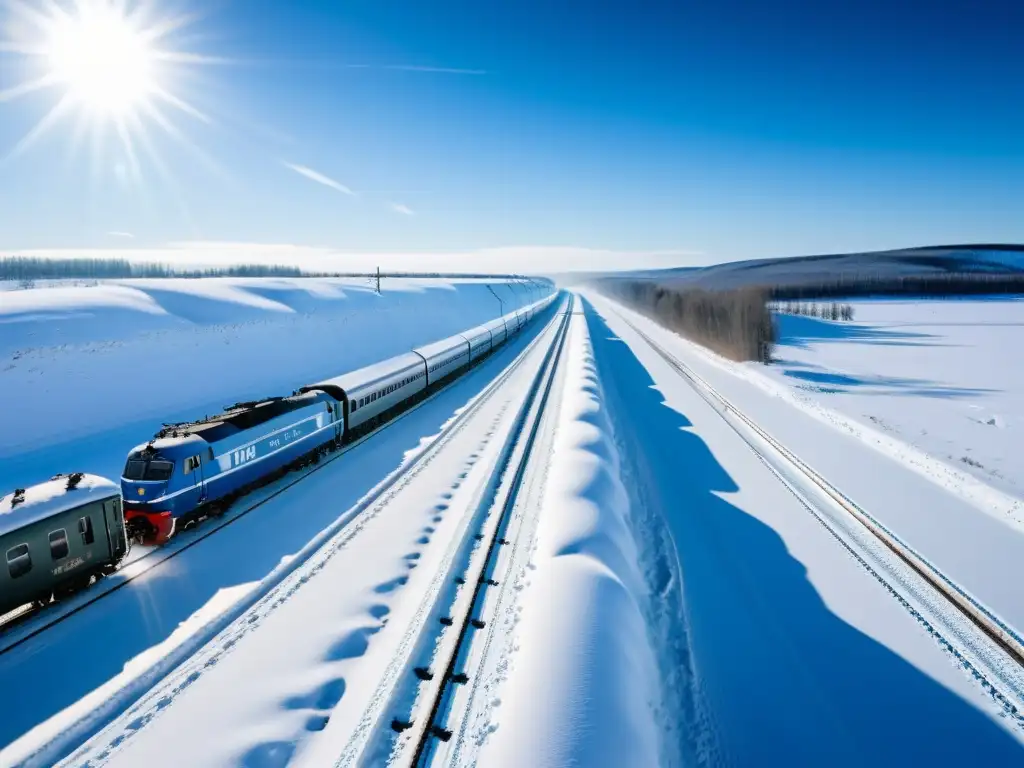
[756, 669]
[800, 331]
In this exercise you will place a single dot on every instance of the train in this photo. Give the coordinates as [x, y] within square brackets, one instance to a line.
[192, 470]
[58, 536]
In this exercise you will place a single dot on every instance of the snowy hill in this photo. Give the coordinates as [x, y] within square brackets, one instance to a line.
[810, 270]
[95, 369]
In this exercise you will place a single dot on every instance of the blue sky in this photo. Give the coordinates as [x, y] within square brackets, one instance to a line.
[675, 131]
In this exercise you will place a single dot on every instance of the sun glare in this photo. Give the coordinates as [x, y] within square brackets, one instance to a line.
[112, 65]
[104, 62]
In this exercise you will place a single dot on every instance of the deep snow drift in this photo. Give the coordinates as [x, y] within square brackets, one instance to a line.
[939, 375]
[88, 372]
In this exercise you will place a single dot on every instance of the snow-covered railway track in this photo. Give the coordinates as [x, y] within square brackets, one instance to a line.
[147, 694]
[435, 721]
[981, 643]
[25, 623]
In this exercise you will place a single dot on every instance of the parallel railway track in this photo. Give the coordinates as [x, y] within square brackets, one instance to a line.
[1001, 674]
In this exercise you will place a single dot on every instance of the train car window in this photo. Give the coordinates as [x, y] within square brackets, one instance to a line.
[191, 464]
[85, 528]
[59, 544]
[19, 561]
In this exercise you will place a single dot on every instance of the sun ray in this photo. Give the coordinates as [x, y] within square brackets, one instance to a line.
[50, 119]
[114, 65]
[184, 106]
[175, 133]
[23, 89]
[7, 46]
[37, 18]
[129, 148]
[162, 170]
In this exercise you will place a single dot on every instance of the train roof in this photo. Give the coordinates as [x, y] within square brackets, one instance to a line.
[236, 418]
[480, 330]
[368, 375]
[440, 347]
[51, 498]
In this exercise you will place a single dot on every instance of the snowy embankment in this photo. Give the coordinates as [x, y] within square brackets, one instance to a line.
[781, 638]
[582, 682]
[88, 372]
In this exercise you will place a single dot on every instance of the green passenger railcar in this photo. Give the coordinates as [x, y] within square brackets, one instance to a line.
[56, 537]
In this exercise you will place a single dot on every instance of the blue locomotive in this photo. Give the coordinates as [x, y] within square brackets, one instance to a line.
[204, 464]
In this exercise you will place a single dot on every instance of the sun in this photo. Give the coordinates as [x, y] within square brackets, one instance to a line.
[114, 66]
[102, 59]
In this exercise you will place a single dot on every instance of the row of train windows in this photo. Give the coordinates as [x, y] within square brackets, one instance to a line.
[446, 361]
[19, 561]
[357, 404]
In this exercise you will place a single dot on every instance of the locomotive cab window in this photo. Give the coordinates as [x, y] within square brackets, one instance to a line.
[191, 464]
[85, 528]
[19, 561]
[59, 544]
[151, 469]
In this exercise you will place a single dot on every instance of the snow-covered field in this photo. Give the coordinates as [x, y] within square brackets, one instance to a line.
[781, 637]
[668, 590]
[943, 376]
[88, 372]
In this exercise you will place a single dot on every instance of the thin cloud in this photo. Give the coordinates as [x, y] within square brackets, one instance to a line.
[319, 178]
[126, 235]
[405, 210]
[439, 70]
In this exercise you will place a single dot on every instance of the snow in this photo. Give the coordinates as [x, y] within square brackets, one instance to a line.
[967, 529]
[88, 372]
[582, 685]
[322, 556]
[775, 643]
[937, 375]
[51, 497]
[321, 643]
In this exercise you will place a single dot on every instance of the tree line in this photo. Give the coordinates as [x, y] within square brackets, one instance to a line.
[28, 268]
[938, 285]
[831, 311]
[734, 323]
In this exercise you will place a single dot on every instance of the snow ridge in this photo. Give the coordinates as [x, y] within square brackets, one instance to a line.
[595, 702]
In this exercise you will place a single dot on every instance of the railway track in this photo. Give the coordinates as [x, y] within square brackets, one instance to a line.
[409, 708]
[21, 625]
[163, 674]
[991, 651]
[465, 617]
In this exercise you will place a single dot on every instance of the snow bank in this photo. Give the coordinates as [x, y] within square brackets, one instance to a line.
[87, 372]
[583, 685]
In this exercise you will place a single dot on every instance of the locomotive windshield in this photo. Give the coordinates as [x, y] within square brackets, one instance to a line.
[148, 469]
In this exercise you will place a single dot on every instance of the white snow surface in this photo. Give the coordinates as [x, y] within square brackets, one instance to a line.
[775, 644]
[582, 684]
[310, 647]
[939, 375]
[86, 372]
